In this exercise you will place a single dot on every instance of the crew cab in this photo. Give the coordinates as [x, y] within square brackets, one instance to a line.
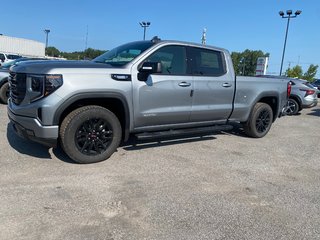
[147, 88]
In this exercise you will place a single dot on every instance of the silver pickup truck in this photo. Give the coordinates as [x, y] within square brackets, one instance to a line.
[148, 88]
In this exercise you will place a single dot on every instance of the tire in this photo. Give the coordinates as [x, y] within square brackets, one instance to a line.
[90, 134]
[292, 107]
[4, 93]
[260, 121]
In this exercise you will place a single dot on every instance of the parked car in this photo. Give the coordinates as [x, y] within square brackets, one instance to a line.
[317, 84]
[148, 88]
[4, 75]
[7, 57]
[303, 95]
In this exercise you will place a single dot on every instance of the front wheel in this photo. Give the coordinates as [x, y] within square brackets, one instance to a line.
[260, 121]
[90, 134]
[4, 93]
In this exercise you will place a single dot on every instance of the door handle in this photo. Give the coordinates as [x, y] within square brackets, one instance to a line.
[184, 84]
[226, 85]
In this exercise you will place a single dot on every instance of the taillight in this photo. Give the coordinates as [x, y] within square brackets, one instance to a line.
[308, 92]
[288, 89]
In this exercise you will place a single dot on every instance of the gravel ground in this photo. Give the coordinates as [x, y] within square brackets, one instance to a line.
[220, 186]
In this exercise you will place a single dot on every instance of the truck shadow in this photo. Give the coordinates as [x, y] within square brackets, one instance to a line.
[133, 144]
[33, 149]
[26, 147]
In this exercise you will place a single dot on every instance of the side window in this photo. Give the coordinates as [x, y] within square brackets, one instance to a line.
[2, 58]
[207, 62]
[172, 59]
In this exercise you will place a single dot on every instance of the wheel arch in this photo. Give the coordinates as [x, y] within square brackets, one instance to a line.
[273, 102]
[115, 102]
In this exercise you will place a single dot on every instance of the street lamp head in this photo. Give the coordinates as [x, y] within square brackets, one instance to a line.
[281, 13]
[46, 30]
[298, 12]
[289, 12]
[148, 23]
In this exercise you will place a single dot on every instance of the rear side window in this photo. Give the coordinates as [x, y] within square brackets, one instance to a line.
[207, 62]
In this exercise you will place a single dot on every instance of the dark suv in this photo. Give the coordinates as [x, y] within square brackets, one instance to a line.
[317, 84]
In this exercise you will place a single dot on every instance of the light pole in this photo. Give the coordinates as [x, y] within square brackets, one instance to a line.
[47, 33]
[144, 25]
[288, 16]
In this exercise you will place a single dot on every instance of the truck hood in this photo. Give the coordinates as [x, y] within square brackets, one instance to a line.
[43, 67]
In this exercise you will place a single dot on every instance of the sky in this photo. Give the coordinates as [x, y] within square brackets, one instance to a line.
[236, 25]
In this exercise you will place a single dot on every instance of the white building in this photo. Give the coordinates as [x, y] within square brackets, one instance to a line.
[21, 46]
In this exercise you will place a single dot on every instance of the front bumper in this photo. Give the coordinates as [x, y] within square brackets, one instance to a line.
[31, 128]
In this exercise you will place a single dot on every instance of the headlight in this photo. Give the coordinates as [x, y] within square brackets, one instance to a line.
[42, 85]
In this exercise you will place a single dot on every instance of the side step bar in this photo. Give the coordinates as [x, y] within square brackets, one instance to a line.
[182, 132]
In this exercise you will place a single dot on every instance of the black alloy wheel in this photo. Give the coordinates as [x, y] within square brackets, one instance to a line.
[94, 136]
[260, 121]
[90, 134]
[263, 121]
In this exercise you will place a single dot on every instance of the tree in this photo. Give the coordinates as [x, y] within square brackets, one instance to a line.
[310, 73]
[52, 52]
[245, 63]
[91, 53]
[295, 72]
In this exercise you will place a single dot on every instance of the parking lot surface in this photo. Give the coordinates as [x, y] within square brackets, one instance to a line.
[219, 186]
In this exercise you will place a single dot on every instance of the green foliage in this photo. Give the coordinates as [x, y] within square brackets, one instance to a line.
[52, 52]
[296, 72]
[88, 54]
[245, 63]
[311, 73]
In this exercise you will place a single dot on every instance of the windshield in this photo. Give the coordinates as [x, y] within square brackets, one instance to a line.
[123, 54]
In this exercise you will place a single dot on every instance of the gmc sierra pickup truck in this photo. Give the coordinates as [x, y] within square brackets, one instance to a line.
[148, 88]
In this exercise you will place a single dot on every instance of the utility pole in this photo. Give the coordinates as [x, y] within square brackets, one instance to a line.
[86, 46]
[204, 36]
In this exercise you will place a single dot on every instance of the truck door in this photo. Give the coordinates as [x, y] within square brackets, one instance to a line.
[164, 97]
[213, 86]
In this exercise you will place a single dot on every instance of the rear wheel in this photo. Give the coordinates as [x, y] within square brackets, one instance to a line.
[292, 107]
[260, 121]
[4, 93]
[90, 134]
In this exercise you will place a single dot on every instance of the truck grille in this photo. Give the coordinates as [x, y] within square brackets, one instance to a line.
[17, 83]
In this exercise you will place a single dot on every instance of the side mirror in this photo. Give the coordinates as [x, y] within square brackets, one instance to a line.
[148, 68]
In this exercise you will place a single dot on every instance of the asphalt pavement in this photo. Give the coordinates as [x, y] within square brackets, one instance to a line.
[219, 186]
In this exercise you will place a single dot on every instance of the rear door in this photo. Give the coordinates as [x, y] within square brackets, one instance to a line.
[213, 86]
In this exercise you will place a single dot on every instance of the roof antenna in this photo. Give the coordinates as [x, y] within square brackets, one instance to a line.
[155, 39]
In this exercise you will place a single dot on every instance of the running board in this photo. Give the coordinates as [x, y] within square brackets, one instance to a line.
[183, 132]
